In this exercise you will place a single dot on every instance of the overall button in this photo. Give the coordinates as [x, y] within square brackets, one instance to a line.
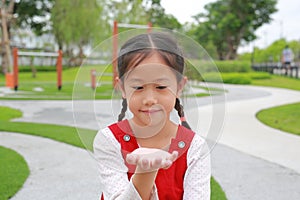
[126, 138]
[181, 144]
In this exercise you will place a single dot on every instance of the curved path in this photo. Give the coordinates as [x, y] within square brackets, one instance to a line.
[57, 170]
[251, 161]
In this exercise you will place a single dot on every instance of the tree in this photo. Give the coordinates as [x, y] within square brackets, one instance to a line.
[228, 22]
[157, 16]
[273, 52]
[139, 12]
[34, 15]
[124, 11]
[22, 14]
[76, 23]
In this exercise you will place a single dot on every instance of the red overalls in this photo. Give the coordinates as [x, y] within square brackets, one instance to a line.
[169, 182]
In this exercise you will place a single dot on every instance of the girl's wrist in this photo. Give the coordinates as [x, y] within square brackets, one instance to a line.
[144, 183]
[140, 171]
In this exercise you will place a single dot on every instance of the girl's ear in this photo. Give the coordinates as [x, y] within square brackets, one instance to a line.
[120, 86]
[181, 85]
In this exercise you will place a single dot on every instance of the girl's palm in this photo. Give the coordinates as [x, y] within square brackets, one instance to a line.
[150, 159]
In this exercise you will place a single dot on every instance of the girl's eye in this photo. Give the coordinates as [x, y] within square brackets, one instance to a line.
[138, 87]
[161, 87]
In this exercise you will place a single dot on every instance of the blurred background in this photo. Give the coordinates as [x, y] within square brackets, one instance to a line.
[46, 43]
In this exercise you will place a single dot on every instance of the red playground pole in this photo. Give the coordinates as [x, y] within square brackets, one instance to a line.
[59, 70]
[93, 79]
[15, 69]
[115, 49]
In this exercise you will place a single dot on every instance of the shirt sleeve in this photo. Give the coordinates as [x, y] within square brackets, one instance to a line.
[197, 177]
[112, 169]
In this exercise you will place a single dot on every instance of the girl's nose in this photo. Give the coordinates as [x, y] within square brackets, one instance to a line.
[149, 98]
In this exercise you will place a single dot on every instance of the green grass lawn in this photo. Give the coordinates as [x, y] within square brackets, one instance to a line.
[216, 191]
[285, 118]
[75, 81]
[64, 134]
[279, 81]
[13, 172]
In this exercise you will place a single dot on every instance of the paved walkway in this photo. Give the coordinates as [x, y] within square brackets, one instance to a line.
[251, 161]
[57, 170]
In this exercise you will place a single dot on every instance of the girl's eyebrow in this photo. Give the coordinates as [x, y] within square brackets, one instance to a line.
[164, 79]
[135, 80]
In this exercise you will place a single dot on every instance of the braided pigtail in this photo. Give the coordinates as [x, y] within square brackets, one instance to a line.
[124, 108]
[180, 112]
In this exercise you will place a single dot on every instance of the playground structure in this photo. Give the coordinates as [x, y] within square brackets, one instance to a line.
[117, 25]
[12, 78]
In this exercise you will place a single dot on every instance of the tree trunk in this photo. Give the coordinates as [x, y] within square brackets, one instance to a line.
[6, 14]
[232, 50]
[3, 55]
[6, 52]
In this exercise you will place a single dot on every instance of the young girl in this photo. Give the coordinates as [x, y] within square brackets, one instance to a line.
[149, 156]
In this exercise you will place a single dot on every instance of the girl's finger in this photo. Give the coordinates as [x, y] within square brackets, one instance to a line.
[145, 164]
[131, 159]
[174, 156]
[156, 163]
[166, 164]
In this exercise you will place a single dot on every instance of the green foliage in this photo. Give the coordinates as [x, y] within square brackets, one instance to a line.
[285, 118]
[227, 22]
[13, 172]
[27, 11]
[76, 22]
[235, 78]
[138, 12]
[125, 11]
[233, 66]
[195, 68]
[157, 16]
[259, 75]
[38, 68]
[273, 52]
[232, 78]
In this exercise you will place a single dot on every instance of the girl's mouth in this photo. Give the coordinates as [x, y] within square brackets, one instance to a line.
[150, 111]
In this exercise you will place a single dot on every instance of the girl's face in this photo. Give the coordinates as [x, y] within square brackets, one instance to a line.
[151, 89]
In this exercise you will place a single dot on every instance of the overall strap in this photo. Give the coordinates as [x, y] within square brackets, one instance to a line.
[181, 144]
[182, 141]
[125, 137]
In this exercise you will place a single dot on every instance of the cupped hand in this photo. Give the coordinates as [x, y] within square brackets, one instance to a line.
[150, 159]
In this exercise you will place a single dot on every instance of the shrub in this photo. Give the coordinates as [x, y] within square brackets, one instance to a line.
[195, 69]
[233, 78]
[259, 75]
[38, 68]
[233, 66]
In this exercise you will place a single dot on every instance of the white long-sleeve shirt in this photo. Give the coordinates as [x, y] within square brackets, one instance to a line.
[113, 171]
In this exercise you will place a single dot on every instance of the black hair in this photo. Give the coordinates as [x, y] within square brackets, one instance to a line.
[136, 49]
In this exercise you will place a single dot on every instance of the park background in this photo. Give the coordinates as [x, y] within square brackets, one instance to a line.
[222, 27]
